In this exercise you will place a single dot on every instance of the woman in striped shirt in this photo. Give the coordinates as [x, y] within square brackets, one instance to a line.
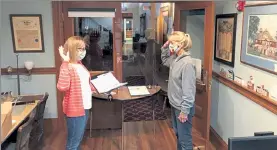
[74, 80]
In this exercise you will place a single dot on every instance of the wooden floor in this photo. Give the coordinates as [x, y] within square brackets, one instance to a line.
[143, 135]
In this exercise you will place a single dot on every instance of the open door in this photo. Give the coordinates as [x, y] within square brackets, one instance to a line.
[197, 19]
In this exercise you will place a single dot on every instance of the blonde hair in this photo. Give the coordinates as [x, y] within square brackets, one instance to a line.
[71, 46]
[182, 39]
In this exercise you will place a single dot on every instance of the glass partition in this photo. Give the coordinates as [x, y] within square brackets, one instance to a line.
[98, 35]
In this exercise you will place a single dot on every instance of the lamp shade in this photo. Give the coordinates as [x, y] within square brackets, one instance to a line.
[29, 65]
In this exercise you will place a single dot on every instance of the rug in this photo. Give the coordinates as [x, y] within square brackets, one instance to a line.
[141, 110]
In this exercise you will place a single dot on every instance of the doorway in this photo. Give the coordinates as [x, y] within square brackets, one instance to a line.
[197, 19]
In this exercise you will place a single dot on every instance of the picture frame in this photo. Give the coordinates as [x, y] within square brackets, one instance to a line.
[259, 38]
[27, 33]
[225, 38]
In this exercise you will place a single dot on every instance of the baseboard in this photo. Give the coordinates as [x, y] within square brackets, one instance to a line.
[217, 141]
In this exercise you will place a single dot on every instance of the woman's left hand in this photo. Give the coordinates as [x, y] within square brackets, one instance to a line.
[183, 117]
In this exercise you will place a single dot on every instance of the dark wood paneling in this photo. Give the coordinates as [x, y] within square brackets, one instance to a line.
[58, 33]
[265, 102]
[23, 71]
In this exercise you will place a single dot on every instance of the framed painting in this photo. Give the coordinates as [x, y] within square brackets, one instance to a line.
[225, 38]
[27, 35]
[259, 38]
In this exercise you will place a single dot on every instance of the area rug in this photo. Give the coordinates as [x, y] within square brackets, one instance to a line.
[141, 110]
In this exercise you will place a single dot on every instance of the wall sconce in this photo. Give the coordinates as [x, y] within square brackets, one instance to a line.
[9, 70]
[29, 66]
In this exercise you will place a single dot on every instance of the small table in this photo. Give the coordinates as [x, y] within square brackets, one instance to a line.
[122, 94]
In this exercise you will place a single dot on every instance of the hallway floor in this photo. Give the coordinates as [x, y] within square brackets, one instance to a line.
[141, 135]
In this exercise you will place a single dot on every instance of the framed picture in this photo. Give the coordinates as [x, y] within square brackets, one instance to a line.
[225, 38]
[259, 38]
[27, 33]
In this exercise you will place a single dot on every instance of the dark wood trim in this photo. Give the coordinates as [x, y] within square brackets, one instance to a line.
[58, 32]
[217, 141]
[23, 71]
[265, 102]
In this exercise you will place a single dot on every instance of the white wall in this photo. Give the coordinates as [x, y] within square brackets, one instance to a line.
[233, 114]
[195, 28]
[38, 83]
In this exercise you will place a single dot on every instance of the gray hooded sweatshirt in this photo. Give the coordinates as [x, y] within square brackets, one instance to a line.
[182, 81]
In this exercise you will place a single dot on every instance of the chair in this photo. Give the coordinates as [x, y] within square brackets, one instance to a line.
[37, 132]
[23, 133]
[135, 80]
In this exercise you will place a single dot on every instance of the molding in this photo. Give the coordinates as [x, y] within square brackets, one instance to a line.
[217, 141]
[23, 71]
[265, 102]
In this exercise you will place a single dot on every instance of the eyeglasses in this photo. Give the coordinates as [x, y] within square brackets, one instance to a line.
[81, 49]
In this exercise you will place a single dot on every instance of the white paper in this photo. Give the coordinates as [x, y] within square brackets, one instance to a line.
[198, 65]
[106, 82]
[138, 90]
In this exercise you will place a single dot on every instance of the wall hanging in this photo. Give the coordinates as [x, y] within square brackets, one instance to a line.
[259, 37]
[225, 38]
[27, 33]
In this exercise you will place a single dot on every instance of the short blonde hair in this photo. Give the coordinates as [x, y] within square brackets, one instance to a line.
[182, 39]
[71, 45]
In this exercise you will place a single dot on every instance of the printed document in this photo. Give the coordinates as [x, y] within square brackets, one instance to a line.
[138, 90]
[106, 82]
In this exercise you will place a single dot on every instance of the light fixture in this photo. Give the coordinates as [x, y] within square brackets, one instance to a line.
[9, 70]
[29, 66]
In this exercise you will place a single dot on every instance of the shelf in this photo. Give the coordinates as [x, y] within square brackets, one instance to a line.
[265, 102]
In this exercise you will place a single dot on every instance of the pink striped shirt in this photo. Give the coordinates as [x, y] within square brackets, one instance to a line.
[70, 83]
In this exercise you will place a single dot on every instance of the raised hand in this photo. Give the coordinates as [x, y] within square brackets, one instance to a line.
[166, 44]
[64, 57]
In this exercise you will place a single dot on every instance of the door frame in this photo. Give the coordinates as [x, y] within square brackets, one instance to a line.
[62, 32]
[208, 6]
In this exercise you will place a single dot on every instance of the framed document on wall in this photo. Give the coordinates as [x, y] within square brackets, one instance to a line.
[225, 38]
[27, 33]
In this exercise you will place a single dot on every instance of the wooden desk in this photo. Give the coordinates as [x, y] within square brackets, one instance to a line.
[107, 114]
[19, 114]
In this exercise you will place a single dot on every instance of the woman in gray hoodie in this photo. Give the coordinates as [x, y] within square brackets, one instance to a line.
[181, 86]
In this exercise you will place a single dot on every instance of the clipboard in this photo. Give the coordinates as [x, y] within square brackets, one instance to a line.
[106, 82]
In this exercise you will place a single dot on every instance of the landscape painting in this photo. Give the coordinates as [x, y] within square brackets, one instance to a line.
[259, 39]
[262, 37]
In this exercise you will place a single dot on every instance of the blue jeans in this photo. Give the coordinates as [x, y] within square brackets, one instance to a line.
[75, 131]
[182, 130]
